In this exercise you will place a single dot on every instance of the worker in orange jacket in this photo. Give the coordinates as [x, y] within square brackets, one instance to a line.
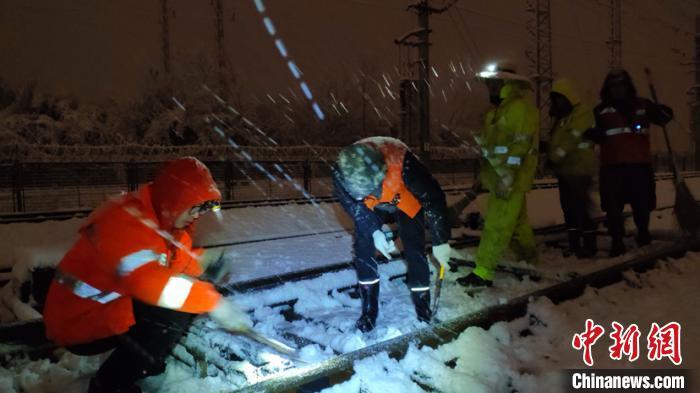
[378, 177]
[129, 282]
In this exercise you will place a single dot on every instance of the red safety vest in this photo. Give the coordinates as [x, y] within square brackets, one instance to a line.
[128, 249]
[625, 139]
[394, 190]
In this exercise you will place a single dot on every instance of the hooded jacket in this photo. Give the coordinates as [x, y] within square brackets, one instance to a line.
[129, 249]
[407, 185]
[569, 152]
[622, 126]
[510, 139]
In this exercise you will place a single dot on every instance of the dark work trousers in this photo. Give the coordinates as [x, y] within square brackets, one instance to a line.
[627, 183]
[142, 350]
[575, 199]
[412, 233]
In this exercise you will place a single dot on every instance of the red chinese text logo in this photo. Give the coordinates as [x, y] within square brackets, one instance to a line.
[662, 342]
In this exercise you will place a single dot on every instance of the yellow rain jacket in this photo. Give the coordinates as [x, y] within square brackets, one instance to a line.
[510, 139]
[569, 153]
[509, 145]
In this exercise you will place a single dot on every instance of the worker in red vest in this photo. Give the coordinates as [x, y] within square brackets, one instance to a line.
[622, 122]
[129, 282]
[376, 177]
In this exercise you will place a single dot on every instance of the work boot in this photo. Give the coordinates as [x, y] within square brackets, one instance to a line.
[643, 238]
[421, 299]
[590, 245]
[369, 293]
[574, 242]
[618, 247]
[474, 281]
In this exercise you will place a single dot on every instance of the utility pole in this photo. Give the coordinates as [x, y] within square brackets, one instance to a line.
[165, 35]
[615, 41]
[221, 49]
[421, 40]
[695, 96]
[540, 54]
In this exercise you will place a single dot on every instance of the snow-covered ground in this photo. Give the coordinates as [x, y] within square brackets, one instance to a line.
[530, 353]
[325, 315]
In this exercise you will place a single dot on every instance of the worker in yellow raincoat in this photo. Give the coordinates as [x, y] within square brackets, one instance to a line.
[572, 159]
[509, 145]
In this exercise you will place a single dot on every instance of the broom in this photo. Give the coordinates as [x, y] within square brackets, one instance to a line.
[686, 208]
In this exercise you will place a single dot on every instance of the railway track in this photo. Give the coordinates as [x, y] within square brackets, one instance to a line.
[339, 368]
[27, 338]
[9, 218]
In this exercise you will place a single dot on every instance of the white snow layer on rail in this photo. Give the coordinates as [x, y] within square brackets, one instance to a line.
[529, 353]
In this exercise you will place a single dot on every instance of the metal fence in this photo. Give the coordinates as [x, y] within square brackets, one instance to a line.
[49, 187]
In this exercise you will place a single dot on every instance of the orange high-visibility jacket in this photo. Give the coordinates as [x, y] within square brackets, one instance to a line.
[129, 249]
[394, 190]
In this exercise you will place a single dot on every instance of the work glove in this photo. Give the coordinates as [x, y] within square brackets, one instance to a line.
[384, 246]
[443, 253]
[214, 265]
[502, 190]
[665, 114]
[231, 317]
[594, 134]
[477, 187]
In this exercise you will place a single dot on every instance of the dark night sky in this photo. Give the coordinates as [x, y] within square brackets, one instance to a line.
[101, 49]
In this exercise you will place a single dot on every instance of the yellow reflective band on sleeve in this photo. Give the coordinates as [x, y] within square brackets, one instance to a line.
[513, 160]
[522, 138]
[371, 282]
[175, 292]
[500, 149]
[420, 289]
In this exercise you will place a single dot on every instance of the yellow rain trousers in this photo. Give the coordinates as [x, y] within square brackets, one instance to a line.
[510, 140]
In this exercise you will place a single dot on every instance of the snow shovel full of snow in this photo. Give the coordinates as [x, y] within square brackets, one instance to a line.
[438, 284]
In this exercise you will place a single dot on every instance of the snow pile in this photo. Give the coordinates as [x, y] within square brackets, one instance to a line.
[70, 374]
[528, 353]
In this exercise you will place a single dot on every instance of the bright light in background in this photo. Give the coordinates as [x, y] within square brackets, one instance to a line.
[489, 71]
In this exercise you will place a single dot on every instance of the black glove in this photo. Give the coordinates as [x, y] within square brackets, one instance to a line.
[216, 269]
[663, 115]
[593, 134]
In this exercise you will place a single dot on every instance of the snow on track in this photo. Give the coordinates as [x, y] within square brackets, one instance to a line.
[529, 353]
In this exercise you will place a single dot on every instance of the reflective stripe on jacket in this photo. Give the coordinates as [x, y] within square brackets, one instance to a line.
[124, 253]
[510, 139]
[569, 152]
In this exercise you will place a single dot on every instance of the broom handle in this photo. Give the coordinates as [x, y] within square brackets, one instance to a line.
[647, 71]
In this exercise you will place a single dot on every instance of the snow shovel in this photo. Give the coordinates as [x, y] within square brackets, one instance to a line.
[685, 208]
[438, 283]
[274, 344]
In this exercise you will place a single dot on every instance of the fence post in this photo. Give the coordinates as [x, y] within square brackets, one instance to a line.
[307, 176]
[18, 186]
[132, 176]
[228, 180]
